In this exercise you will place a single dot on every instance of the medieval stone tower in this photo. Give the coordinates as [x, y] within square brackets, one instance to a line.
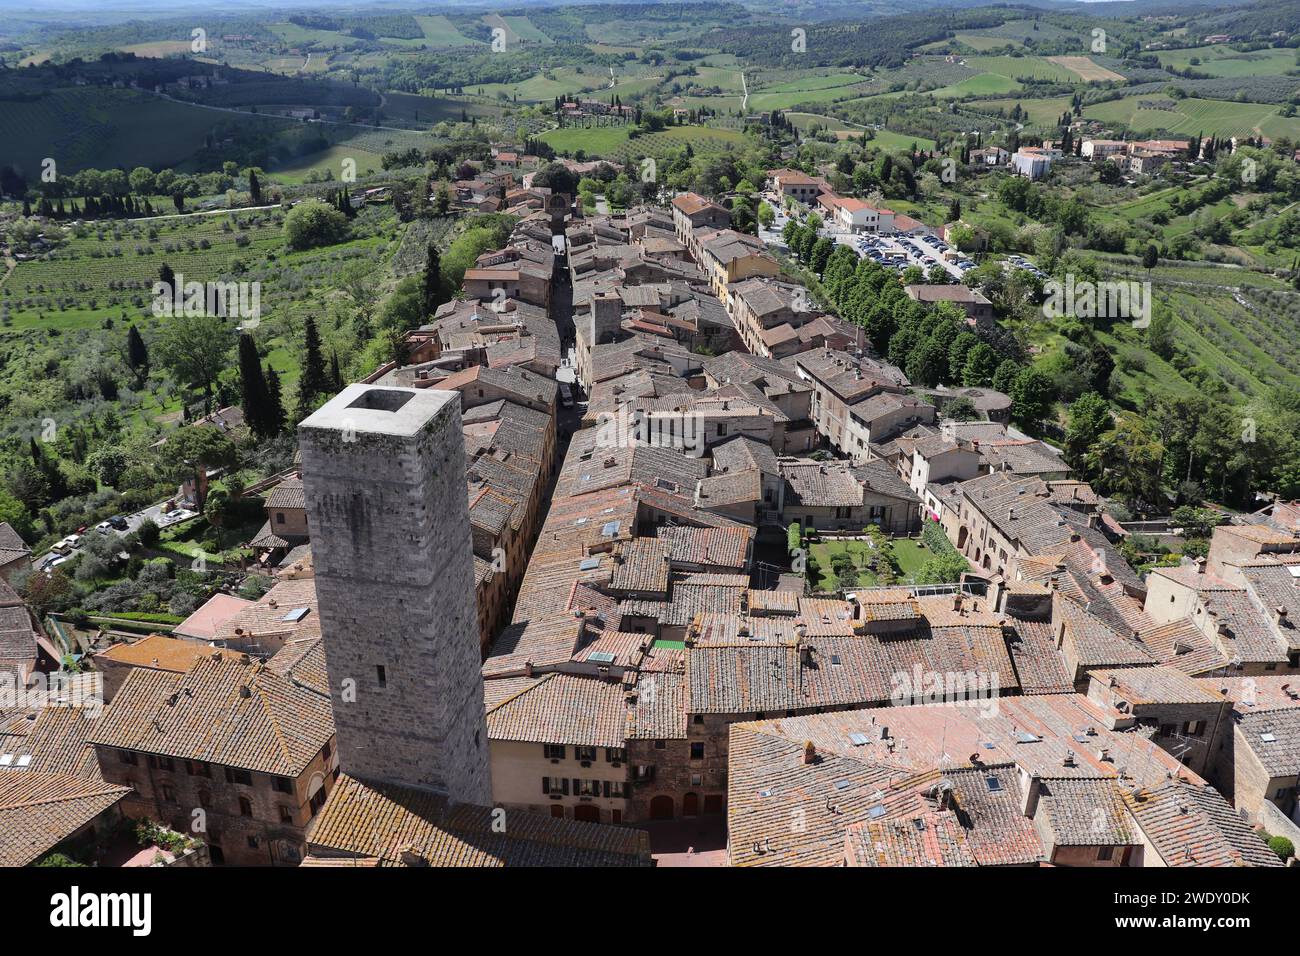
[384, 474]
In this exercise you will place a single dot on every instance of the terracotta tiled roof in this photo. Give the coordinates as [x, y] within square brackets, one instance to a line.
[659, 710]
[1274, 738]
[12, 546]
[1155, 685]
[714, 547]
[266, 618]
[389, 825]
[1085, 812]
[1039, 666]
[161, 653]
[39, 810]
[220, 711]
[929, 839]
[999, 833]
[562, 709]
[287, 494]
[1190, 825]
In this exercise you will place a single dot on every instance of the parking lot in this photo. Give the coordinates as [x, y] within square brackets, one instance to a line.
[893, 251]
[66, 549]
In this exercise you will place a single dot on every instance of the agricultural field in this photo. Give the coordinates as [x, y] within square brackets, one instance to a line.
[547, 85]
[1040, 112]
[1014, 67]
[819, 89]
[1192, 117]
[401, 108]
[1224, 61]
[158, 48]
[441, 32]
[598, 141]
[701, 139]
[521, 28]
[984, 84]
[295, 35]
[80, 127]
[327, 161]
[1085, 69]
[886, 139]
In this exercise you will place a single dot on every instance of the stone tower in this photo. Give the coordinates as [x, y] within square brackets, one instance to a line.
[384, 474]
[599, 324]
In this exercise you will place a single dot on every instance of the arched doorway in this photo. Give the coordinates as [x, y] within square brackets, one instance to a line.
[661, 807]
[587, 813]
[962, 535]
[691, 805]
[557, 811]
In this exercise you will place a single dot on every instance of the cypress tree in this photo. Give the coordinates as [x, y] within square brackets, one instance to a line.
[313, 382]
[254, 397]
[137, 355]
[336, 376]
[275, 403]
[254, 188]
[433, 295]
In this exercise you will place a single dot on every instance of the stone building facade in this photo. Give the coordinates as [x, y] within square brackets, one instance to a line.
[384, 474]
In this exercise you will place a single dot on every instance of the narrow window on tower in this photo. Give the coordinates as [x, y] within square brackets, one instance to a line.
[381, 675]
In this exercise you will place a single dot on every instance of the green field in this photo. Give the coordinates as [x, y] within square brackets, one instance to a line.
[810, 89]
[601, 141]
[1044, 112]
[547, 85]
[1016, 66]
[441, 32]
[331, 160]
[702, 139]
[1226, 62]
[1191, 117]
[402, 108]
[986, 84]
[524, 29]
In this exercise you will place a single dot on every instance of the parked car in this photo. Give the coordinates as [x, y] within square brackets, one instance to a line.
[103, 527]
[118, 522]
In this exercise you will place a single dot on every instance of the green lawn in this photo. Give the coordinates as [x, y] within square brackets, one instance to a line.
[909, 553]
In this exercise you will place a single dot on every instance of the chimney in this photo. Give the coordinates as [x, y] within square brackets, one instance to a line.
[809, 753]
[1032, 786]
[411, 857]
[805, 655]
